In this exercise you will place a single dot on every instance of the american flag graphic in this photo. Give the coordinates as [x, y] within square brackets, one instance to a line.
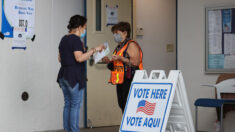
[146, 107]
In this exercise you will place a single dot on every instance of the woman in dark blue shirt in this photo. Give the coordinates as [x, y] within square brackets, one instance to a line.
[71, 77]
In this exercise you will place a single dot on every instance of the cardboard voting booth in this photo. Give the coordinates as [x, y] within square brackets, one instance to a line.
[157, 104]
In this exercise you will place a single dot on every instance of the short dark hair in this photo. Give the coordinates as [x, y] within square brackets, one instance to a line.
[122, 26]
[76, 21]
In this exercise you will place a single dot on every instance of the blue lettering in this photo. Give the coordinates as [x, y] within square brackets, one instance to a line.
[152, 122]
[20, 8]
[135, 92]
[128, 120]
[164, 97]
[22, 13]
[144, 94]
[140, 93]
[140, 121]
[159, 93]
[134, 121]
[156, 122]
[147, 93]
[137, 118]
[31, 9]
[145, 122]
[153, 93]
[29, 13]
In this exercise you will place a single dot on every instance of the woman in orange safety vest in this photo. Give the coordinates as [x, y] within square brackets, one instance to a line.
[127, 57]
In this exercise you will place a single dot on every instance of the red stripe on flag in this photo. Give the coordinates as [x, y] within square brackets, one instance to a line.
[147, 109]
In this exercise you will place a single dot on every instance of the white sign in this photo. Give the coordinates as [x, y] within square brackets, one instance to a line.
[18, 13]
[151, 100]
[19, 38]
[112, 15]
[99, 55]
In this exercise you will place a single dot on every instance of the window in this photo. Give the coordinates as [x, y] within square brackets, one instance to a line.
[98, 15]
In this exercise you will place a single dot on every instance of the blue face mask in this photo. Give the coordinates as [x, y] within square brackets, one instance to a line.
[117, 37]
[83, 34]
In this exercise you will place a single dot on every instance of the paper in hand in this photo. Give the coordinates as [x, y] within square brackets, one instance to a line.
[99, 55]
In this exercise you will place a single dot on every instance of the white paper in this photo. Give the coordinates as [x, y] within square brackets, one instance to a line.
[229, 62]
[215, 32]
[229, 44]
[19, 38]
[99, 55]
[112, 15]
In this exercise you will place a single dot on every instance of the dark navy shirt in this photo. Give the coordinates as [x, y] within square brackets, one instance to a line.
[71, 70]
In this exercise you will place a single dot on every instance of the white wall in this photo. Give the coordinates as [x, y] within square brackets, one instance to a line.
[191, 58]
[35, 71]
[158, 19]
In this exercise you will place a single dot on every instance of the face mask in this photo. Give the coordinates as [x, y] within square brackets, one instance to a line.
[83, 34]
[117, 37]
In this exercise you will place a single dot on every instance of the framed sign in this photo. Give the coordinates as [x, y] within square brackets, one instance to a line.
[220, 39]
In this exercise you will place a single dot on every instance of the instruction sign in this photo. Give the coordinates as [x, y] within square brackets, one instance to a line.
[148, 106]
[150, 102]
[112, 15]
[20, 14]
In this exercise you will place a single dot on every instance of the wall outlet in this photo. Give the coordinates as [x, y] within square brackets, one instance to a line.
[139, 31]
[170, 48]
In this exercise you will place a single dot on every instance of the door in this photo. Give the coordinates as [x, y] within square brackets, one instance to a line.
[102, 105]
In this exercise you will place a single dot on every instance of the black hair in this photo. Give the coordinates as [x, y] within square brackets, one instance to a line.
[76, 21]
[122, 26]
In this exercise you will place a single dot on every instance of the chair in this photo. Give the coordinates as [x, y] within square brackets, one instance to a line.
[226, 86]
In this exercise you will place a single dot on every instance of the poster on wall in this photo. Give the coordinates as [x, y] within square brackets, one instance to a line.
[227, 20]
[112, 15]
[20, 14]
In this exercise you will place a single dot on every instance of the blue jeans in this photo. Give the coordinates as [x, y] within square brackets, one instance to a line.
[73, 98]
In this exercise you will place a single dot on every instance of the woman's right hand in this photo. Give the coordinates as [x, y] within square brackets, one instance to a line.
[100, 47]
[106, 59]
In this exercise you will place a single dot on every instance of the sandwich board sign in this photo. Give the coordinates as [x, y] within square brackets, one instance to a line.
[157, 104]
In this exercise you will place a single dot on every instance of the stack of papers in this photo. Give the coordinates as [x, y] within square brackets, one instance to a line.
[99, 55]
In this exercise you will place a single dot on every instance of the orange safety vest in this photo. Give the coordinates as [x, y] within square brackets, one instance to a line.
[117, 74]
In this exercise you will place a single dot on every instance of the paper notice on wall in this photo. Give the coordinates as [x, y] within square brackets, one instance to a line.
[18, 13]
[112, 15]
[216, 61]
[229, 45]
[215, 32]
[19, 38]
[229, 62]
[99, 55]
[227, 20]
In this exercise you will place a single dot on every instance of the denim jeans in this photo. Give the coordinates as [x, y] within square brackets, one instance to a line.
[73, 98]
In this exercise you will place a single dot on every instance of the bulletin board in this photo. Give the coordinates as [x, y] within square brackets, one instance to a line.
[220, 39]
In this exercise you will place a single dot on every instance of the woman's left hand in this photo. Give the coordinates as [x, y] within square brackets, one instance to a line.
[100, 47]
[116, 57]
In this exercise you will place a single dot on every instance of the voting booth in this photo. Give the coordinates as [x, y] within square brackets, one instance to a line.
[157, 104]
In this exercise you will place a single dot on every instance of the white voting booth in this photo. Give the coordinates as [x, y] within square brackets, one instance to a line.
[157, 104]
